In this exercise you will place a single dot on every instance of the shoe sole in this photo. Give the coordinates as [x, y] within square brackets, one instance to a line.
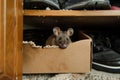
[91, 5]
[106, 68]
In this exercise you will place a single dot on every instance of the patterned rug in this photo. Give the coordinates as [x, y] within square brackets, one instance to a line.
[93, 75]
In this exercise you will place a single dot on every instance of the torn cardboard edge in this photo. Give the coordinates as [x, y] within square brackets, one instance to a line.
[32, 44]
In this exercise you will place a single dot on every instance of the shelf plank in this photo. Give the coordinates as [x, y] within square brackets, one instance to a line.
[71, 13]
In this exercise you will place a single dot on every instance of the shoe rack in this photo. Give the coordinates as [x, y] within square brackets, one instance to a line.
[87, 19]
[71, 13]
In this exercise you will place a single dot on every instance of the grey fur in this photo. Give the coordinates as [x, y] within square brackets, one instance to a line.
[60, 38]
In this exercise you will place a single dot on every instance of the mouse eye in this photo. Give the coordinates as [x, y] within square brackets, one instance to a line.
[60, 38]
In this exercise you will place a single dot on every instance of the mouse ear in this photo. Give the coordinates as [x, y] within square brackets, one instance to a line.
[56, 31]
[70, 31]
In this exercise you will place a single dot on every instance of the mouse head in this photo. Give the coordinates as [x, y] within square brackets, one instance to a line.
[62, 37]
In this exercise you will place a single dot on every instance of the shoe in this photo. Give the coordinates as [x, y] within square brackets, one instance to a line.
[85, 4]
[41, 4]
[104, 58]
[115, 42]
[107, 60]
[62, 3]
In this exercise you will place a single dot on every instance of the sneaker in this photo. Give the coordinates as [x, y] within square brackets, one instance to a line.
[107, 60]
[85, 4]
[104, 58]
[115, 42]
[41, 4]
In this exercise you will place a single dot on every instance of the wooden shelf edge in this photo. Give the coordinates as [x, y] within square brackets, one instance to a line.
[71, 13]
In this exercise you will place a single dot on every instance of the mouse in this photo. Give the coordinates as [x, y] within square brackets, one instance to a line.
[60, 38]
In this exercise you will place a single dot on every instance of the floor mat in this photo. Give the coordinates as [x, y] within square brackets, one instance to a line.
[93, 75]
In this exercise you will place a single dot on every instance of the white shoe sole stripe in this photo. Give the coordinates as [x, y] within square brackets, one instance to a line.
[110, 67]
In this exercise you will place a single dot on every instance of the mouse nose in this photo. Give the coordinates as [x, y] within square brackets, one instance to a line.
[63, 46]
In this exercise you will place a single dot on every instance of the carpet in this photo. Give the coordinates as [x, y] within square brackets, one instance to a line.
[93, 75]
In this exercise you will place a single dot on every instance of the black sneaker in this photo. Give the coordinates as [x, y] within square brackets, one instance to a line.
[107, 60]
[104, 58]
[41, 4]
[115, 42]
[85, 4]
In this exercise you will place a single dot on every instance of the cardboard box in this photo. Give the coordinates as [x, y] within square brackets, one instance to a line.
[76, 58]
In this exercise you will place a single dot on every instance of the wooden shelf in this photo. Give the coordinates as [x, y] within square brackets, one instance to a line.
[71, 12]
